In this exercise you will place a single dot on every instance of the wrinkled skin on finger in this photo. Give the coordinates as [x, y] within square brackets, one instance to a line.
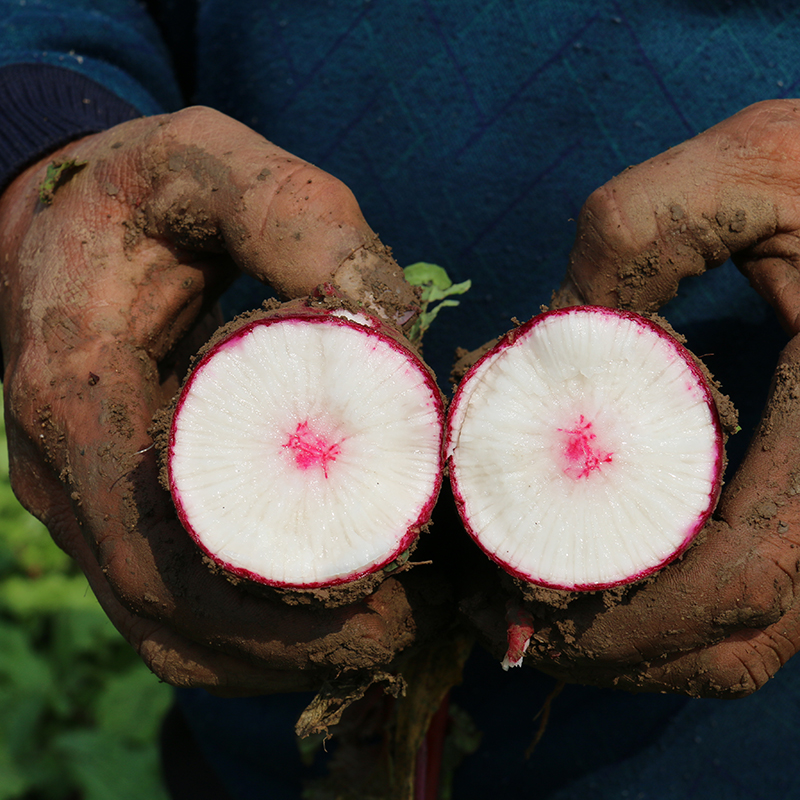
[723, 619]
[106, 289]
[731, 192]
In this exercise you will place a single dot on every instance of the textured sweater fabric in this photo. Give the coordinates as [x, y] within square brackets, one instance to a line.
[471, 132]
[69, 69]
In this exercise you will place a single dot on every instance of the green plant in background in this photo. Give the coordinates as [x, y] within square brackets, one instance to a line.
[436, 287]
[79, 712]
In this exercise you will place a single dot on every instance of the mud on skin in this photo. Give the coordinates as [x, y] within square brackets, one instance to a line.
[97, 293]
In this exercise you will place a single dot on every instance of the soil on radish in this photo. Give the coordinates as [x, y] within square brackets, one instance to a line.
[305, 446]
[559, 591]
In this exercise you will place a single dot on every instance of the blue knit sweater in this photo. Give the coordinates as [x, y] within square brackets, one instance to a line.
[471, 132]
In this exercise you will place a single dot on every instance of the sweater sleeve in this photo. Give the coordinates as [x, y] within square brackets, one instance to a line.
[73, 67]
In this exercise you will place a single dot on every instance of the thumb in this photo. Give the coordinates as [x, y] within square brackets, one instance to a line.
[217, 185]
[689, 209]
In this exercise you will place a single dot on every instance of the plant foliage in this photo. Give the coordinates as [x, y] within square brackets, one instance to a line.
[437, 289]
[79, 712]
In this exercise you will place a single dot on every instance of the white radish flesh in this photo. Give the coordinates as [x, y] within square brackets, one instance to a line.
[585, 449]
[306, 450]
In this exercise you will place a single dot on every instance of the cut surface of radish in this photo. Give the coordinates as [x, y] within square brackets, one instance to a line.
[306, 450]
[585, 449]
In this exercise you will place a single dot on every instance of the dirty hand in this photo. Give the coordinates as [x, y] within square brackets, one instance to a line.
[723, 619]
[106, 271]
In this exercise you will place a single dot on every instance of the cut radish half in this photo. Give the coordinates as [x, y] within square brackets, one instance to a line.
[585, 449]
[305, 449]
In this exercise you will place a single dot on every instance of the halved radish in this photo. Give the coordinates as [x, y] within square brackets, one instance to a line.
[305, 449]
[585, 449]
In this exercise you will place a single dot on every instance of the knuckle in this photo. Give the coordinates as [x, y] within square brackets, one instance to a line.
[616, 245]
[130, 585]
[766, 130]
[742, 665]
[312, 191]
[194, 118]
[164, 665]
[605, 218]
[769, 115]
[162, 661]
[761, 607]
[770, 589]
[333, 192]
[734, 676]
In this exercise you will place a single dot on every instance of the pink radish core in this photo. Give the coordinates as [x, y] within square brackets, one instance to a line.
[306, 449]
[581, 454]
[310, 450]
[584, 450]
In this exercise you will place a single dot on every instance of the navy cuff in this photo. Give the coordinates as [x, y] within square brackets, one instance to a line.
[43, 107]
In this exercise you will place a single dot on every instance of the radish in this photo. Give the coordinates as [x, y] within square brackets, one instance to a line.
[585, 449]
[305, 449]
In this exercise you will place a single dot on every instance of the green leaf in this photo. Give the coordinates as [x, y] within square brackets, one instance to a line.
[132, 705]
[436, 286]
[425, 274]
[22, 715]
[13, 782]
[457, 288]
[27, 689]
[20, 666]
[58, 173]
[24, 596]
[105, 767]
[429, 316]
[78, 631]
[27, 539]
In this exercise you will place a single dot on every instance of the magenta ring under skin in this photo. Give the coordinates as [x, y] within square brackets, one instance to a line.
[327, 318]
[508, 341]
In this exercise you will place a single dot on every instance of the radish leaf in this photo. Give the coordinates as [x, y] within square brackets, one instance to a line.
[436, 286]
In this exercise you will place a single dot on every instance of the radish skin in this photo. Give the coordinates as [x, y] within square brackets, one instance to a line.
[306, 448]
[585, 449]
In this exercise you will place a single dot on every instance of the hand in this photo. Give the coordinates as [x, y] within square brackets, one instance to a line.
[99, 289]
[723, 619]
